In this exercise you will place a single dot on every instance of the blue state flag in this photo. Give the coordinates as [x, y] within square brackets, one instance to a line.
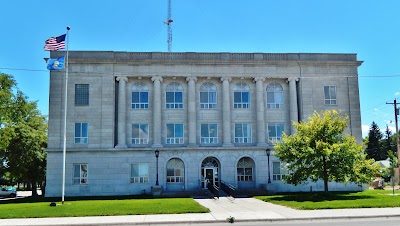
[55, 64]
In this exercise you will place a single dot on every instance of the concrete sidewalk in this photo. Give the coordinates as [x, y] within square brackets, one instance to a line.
[242, 209]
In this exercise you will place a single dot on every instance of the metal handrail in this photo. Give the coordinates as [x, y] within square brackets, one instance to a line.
[213, 189]
[228, 188]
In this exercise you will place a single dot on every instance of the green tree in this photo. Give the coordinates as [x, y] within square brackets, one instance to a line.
[320, 150]
[23, 136]
[393, 163]
[374, 148]
[389, 143]
[7, 84]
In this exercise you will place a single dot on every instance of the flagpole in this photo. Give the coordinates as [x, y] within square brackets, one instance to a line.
[65, 119]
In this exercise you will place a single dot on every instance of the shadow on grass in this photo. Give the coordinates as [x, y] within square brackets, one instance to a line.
[319, 196]
[34, 199]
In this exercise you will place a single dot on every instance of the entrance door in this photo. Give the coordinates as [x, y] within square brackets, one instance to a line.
[210, 168]
[209, 176]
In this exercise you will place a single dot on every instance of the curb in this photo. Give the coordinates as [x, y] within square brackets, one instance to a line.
[218, 221]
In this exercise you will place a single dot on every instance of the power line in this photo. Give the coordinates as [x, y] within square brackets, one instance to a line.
[20, 69]
[372, 107]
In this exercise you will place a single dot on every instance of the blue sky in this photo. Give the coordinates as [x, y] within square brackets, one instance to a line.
[368, 28]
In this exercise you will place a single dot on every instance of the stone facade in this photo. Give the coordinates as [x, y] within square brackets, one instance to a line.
[225, 111]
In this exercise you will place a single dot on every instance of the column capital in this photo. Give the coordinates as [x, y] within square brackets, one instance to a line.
[256, 79]
[156, 78]
[226, 79]
[191, 79]
[122, 78]
[295, 79]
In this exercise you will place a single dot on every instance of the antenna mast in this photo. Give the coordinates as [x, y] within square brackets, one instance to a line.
[169, 22]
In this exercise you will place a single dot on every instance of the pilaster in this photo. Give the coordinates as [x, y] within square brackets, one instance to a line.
[226, 112]
[293, 107]
[191, 109]
[260, 111]
[157, 111]
[121, 112]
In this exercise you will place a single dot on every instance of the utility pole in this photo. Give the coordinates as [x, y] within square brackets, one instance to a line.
[396, 113]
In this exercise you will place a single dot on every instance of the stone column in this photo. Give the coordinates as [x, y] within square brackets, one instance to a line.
[260, 111]
[157, 111]
[191, 109]
[294, 114]
[226, 112]
[121, 112]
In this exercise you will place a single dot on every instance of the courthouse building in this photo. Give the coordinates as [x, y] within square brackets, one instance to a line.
[211, 117]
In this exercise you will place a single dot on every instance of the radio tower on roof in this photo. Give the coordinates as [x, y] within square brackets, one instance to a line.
[169, 22]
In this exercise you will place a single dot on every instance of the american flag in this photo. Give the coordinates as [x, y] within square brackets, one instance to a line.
[55, 43]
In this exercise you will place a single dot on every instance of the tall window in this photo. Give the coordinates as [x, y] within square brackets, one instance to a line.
[241, 96]
[174, 133]
[208, 96]
[242, 133]
[209, 134]
[330, 95]
[275, 132]
[81, 94]
[80, 173]
[175, 171]
[140, 96]
[174, 96]
[278, 170]
[274, 96]
[140, 133]
[245, 168]
[140, 173]
[81, 133]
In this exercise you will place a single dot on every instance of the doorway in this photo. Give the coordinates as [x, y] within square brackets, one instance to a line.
[210, 172]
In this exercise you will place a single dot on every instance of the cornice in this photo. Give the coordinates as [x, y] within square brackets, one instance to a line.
[163, 58]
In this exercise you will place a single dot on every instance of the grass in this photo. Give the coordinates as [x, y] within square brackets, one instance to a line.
[103, 206]
[336, 200]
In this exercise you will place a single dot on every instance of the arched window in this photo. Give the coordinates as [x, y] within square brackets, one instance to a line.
[140, 96]
[173, 96]
[210, 162]
[274, 96]
[208, 96]
[245, 169]
[175, 171]
[241, 96]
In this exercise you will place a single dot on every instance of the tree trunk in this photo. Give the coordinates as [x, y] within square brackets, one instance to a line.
[34, 188]
[325, 173]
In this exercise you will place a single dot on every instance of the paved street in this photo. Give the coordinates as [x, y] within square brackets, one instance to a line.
[22, 194]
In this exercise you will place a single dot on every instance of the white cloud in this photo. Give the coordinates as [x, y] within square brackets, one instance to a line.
[380, 113]
[389, 122]
[391, 128]
[397, 94]
[365, 130]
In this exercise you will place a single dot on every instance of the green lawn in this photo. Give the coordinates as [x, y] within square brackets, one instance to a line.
[37, 208]
[336, 200]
